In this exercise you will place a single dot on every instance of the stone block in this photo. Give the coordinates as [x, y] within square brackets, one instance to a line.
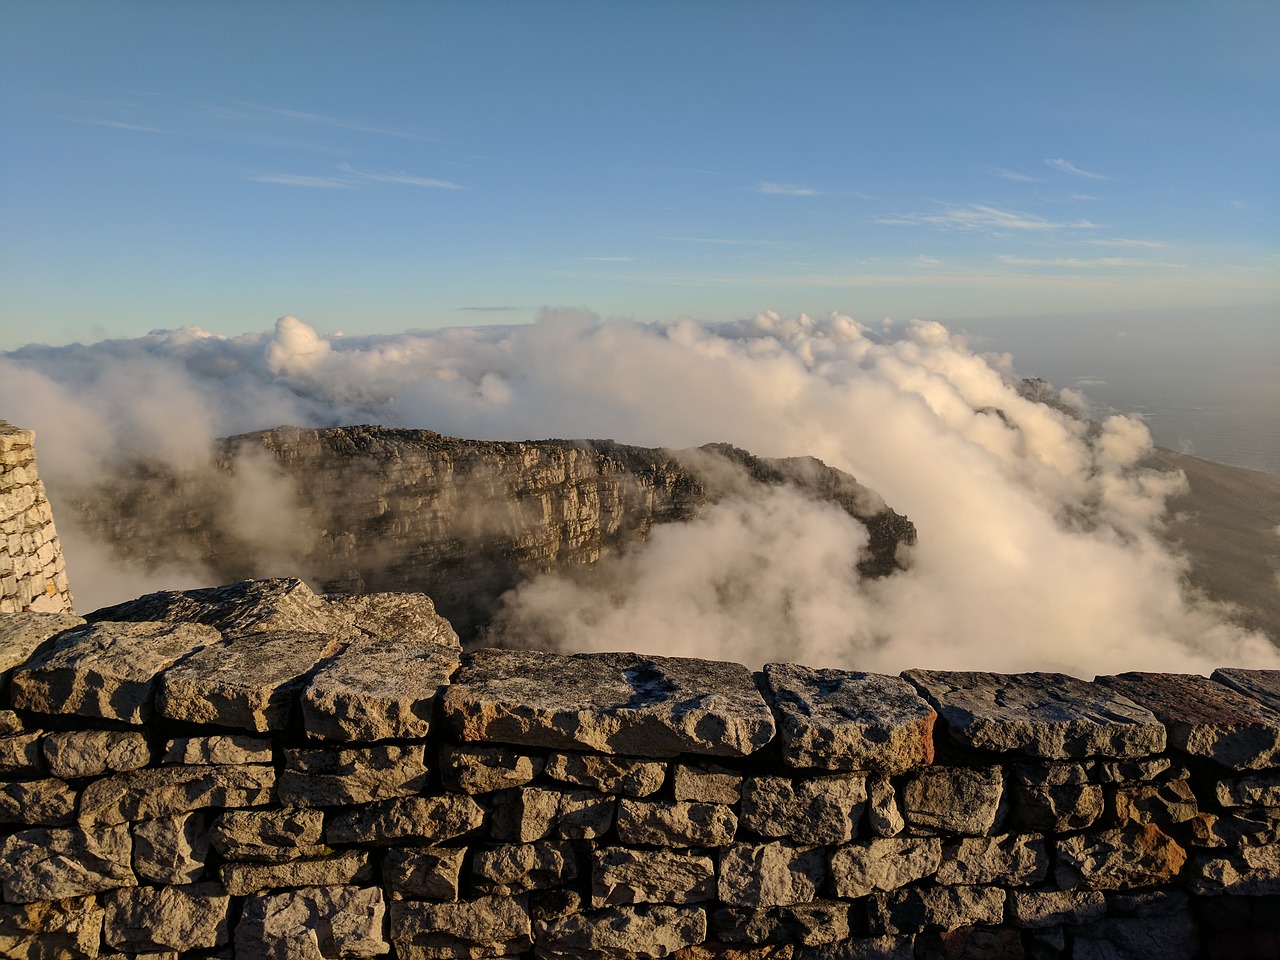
[1143, 769]
[1137, 938]
[178, 918]
[1120, 859]
[48, 802]
[252, 682]
[217, 749]
[344, 868]
[678, 824]
[867, 866]
[510, 869]
[1252, 871]
[617, 775]
[91, 753]
[819, 810]
[484, 769]
[706, 783]
[883, 814]
[1260, 685]
[822, 923]
[108, 670]
[1258, 790]
[69, 929]
[1170, 802]
[341, 777]
[314, 923]
[430, 819]
[1206, 719]
[423, 873]
[20, 754]
[844, 720]
[620, 875]
[633, 933]
[382, 688]
[1048, 908]
[10, 722]
[171, 850]
[269, 836]
[770, 874]
[616, 703]
[951, 800]
[167, 791]
[973, 942]
[1047, 715]
[1011, 860]
[484, 927]
[920, 909]
[54, 864]
[1054, 797]
[21, 634]
[1234, 829]
[525, 814]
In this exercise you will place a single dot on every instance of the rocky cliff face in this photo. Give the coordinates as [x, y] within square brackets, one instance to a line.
[364, 508]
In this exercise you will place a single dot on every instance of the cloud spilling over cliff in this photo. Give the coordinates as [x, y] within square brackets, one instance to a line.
[1038, 544]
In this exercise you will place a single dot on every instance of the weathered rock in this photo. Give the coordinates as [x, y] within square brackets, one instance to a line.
[723, 951]
[1233, 829]
[1048, 908]
[1137, 938]
[770, 874]
[251, 682]
[485, 927]
[247, 606]
[315, 923]
[1047, 715]
[963, 800]
[10, 722]
[341, 777]
[619, 775]
[917, 909]
[68, 929]
[821, 810]
[171, 850]
[623, 933]
[108, 670]
[1118, 859]
[423, 873]
[678, 824]
[883, 864]
[21, 634]
[384, 687]
[20, 753]
[618, 703]
[842, 720]
[339, 869]
[1260, 685]
[620, 875]
[484, 769]
[883, 814]
[707, 783]
[514, 868]
[1012, 860]
[525, 814]
[89, 753]
[217, 749]
[1170, 802]
[1259, 790]
[431, 819]
[971, 942]
[49, 802]
[821, 923]
[1143, 769]
[269, 836]
[866, 948]
[166, 791]
[1055, 797]
[189, 917]
[1252, 871]
[42, 864]
[1206, 719]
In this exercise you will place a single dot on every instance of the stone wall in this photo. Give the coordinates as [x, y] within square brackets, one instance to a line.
[256, 771]
[32, 574]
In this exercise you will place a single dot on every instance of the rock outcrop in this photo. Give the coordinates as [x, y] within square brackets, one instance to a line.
[371, 509]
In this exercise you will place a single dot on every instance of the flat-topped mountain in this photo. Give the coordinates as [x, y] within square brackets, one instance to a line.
[365, 508]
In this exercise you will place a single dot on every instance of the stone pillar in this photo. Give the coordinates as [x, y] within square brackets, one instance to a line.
[33, 576]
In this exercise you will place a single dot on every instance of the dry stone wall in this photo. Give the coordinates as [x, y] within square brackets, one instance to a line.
[257, 771]
[33, 576]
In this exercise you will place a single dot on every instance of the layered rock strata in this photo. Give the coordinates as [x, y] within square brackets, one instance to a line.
[33, 576]
[357, 787]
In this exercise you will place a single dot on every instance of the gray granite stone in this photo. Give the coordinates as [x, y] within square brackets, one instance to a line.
[108, 670]
[423, 873]
[483, 769]
[90, 753]
[618, 775]
[770, 874]
[525, 814]
[167, 791]
[314, 923]
[429, 819]
[180, 918]
[679, 824]
[336, 870]
[54, 864]
[1206, 719]
[484, 927]
[842, 720]
[883, 864]
[69, 929]
[252, 682]
[1039, 714]
[617, 703]
[620, 875]
[350, 775]
[637, 933]
[953, 800]
[513, 868]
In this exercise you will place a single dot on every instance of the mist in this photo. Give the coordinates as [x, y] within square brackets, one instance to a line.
[1038, 544]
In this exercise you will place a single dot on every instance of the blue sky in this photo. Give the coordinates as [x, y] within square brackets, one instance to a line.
[383, 166]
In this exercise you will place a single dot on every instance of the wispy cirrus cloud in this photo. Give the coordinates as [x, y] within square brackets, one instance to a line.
[249, 110]
[1127, 242]
[1066, 166]
[302, 180]
[352, 179]
[1088, 262]
[981, 216]
[403, 179]
[118, 124]
[785, 189]
[1006, 174]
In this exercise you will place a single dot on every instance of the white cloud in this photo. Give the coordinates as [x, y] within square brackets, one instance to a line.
[302, 180]
[401, 178]
[1089, 262]
[786, 190]
[1011, 175]
[1066, 166]
[980, 216]
[1127, 242]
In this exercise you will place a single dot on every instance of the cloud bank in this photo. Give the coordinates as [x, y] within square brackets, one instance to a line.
[1038, 545]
